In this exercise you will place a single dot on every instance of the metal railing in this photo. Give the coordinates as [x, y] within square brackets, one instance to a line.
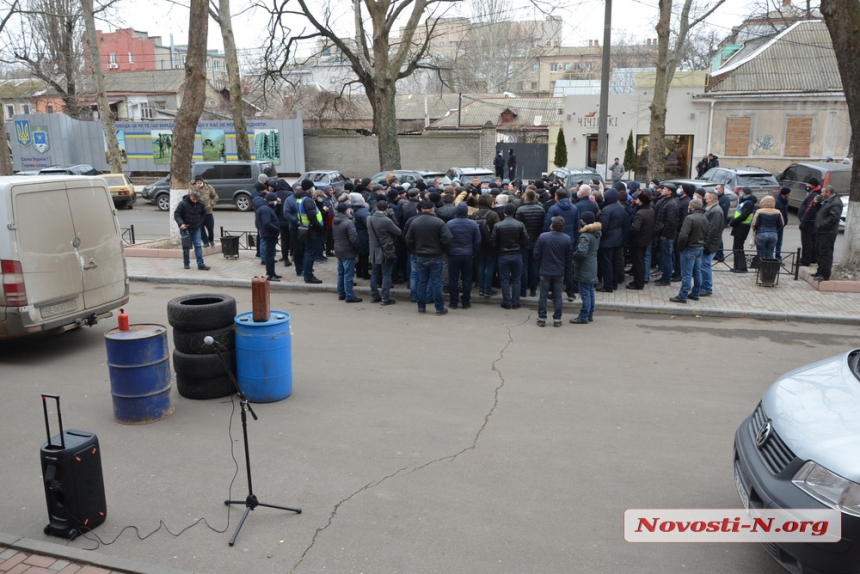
[789, 262]
[127, 235]
[247, 239]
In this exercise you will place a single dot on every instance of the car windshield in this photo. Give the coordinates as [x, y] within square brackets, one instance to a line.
[320, 177]
[760, 180]
[115, 181]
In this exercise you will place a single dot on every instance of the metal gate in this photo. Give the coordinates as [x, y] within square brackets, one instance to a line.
[531, 159]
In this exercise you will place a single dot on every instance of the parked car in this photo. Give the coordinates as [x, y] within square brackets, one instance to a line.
[330, 178]
[570, 177]
[78, 169]
[232, 180]
[410, 176]
[708, 186]
[759, 180]
[798, 449]
[797, 175]
[465, 174]
[121, 189]
[61, 253]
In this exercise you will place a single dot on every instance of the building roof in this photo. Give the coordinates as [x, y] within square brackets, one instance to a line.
[799, 59]
[528, 112]
[21, 88]
[146, 82]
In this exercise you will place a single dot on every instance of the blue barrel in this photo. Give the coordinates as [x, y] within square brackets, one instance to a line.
[139, 366]
[264, 357]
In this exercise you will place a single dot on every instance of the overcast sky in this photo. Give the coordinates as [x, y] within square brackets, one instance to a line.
[583, 20]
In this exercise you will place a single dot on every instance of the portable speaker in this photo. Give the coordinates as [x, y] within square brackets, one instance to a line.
[72, 475]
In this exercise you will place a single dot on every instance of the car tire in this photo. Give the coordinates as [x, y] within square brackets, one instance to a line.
[242, 202]
[201, 312]
[163, 201]
[191, 342]
[204, 389]
[203, 366]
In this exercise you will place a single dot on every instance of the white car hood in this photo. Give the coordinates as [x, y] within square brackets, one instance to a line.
[816, 411]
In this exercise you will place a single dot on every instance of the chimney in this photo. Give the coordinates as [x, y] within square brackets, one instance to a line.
[589, 43]
[786, 3]
[597, 43]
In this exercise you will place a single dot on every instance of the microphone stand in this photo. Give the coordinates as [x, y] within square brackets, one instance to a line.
[250, 501]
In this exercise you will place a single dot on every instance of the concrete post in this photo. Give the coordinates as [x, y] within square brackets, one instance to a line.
[488, 145]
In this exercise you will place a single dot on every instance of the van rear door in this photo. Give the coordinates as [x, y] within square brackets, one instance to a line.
[100, 248]
[68, 245]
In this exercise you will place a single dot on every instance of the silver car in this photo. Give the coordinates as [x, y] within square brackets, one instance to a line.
[799, 449]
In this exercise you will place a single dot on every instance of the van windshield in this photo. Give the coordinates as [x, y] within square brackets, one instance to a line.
[840, 180]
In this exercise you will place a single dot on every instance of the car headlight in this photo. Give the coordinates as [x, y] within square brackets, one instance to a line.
[828, 488]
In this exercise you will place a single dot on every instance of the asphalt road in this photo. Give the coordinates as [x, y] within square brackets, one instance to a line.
[150, 223]
[475, 442]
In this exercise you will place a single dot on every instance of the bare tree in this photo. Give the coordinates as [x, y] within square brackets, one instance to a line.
[224, 19]
[700, 46]
[843, 22]
[191, 108]
[114, 157]
[375, 55]
[668, 58]
[9, 9]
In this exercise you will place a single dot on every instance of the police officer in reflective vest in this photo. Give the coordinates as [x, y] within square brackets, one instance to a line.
[740, 225]
[310, 217]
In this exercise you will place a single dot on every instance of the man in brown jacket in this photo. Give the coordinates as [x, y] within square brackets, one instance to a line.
[209, 197]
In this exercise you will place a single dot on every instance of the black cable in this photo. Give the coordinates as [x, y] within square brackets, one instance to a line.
[92, 537]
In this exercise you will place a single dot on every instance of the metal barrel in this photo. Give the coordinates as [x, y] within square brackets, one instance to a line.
[139, 367]
[264, 357]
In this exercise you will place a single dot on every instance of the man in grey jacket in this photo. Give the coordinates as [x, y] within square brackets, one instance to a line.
[381, 232]
[691, 242]
[713, 240]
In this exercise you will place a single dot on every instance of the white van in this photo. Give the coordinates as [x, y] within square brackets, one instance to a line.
[61, 260]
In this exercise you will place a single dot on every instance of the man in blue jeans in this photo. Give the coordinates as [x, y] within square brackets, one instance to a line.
[554, 257]
[666, 229]
[465, 242]
[429, 239]
[509, 237]
[691, 241]
[713, 241]
[189, 216]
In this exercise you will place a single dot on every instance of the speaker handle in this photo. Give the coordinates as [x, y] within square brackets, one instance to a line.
[59, 418]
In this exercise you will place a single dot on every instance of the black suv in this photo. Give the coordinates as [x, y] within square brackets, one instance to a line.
[760, 181]
[232, 180]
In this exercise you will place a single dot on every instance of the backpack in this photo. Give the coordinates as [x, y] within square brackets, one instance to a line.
[486, 235]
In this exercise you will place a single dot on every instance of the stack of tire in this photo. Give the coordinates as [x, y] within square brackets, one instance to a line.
[199, 372]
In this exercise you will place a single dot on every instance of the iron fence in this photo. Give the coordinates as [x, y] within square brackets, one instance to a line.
[788, 262]
[247, 239]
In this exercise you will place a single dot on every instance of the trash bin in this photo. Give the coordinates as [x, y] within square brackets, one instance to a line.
[230, 246]
[768, 272]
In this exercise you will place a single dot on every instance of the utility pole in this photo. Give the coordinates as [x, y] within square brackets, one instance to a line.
[604, 91]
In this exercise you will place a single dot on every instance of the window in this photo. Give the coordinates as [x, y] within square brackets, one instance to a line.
[535, 67]
[566, 66]
[49, 109]
[145, 111]
[798, 136]
[25, 108]
[217, 64]
[131, 57]
[738, 136]
[240, 171]
[326, 51]
[553, 67]
[207, 63]
[10, 110]
[534, 86]
[112, 58]
[678, 151]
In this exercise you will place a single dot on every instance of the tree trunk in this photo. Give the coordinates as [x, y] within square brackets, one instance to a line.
[656, 155]
[385, 123]
[114, 157]
[843, 22]
[243, 149]
[193, 100]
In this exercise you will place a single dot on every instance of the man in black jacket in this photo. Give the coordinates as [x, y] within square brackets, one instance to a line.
[782, 206]
[807, 213]
[189, 216]
[666, 229]
[428, 239]
[826, 229]
[531, 214]
[509, 238]
[641, 234]
[713, 241]
[691, 242]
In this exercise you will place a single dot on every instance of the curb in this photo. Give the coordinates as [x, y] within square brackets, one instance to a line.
[619, 307]
[79, 556]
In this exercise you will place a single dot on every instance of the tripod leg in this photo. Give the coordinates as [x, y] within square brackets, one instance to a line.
[239, 527]
[296, 510]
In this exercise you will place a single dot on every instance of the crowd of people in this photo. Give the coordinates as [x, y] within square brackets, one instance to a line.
[539, 240]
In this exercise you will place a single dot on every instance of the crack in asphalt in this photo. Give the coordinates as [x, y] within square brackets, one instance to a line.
[448, 458]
